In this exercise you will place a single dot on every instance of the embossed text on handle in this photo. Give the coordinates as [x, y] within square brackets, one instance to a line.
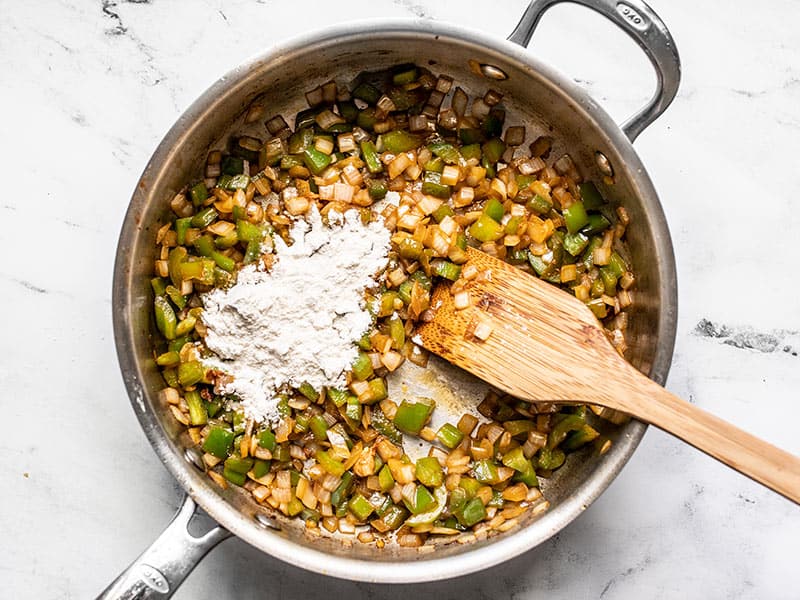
[632, 16]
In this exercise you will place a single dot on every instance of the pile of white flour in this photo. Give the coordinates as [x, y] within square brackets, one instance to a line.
[299, 322]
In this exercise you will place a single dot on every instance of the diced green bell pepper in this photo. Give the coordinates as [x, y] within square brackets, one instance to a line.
[539, 205]
[447, 152]
[166, 321]
[575, 216]
[219, 442]
[574, 243]
[494, 209]
[339, 495]
[362, 367]
[486, 229]
[446, 269]
[360, 507]
[493, 150]
[315, 160]
[432, 185]
[429, 471]
[485, 471]
[266, 439]
[590, 195]
[385, 479]
[422, 500]
[596, 224]
[198, 415]
[449, 435]
[412, 416]
[330, 464]
[190, 373]
[472, 513]
[371, 157]
[398, 141]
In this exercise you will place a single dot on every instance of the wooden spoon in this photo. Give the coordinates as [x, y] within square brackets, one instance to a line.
[545, 345]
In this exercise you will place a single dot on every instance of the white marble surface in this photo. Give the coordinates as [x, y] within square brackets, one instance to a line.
[87, 89]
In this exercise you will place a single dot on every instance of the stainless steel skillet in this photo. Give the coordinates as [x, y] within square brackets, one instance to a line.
[535, 94]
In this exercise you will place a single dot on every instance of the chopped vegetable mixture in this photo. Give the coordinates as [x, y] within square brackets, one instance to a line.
[442, 172]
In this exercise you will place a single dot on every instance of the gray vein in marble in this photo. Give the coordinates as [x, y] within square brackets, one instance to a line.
[79, 118]
[108, 7]
[27, 285]
[416, 9]
[689, 503]
[157, 76]
[58, 42]
[746, 338]
[637, 568]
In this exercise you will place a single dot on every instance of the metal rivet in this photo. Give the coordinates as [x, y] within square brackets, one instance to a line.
[603, 164]
[266, 522]
[493, 72]
[193, 456]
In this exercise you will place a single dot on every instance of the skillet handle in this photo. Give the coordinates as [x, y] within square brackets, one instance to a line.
[160, 570]
[639, 21]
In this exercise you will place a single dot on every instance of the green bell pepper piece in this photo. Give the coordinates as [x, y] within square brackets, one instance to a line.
[446, 269]
[330, 464]
[385, 427]
[432, 185]
[260, 468]
[266, 439]
[429, 471]
[575, 243]
[449, 435]
[315, 160]
[494, 209]
[398, 141]
[341, 492]
[486, 229]
[199, 194]
[371, 157]
[447, 152]
[385, 479]
[485, 471]
[590, 195]
[367, 92]
[319, 427]
[360, 507]
[473, 512]
[412, 416]
[550, 458]
[575, 216]
[539, 205]
[198, 415]
[166, 321]
[190, 373]
[205, 217]
[362, 367]
[219, 442]
[596, 224]
[515, 459]
[493, 150]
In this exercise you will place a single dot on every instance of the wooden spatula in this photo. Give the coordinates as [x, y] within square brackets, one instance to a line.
[545, 345]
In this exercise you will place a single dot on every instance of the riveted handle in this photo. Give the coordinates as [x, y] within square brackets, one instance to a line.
[639, 21]
[161, 569]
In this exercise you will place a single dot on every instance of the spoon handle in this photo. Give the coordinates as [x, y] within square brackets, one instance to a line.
[751, 456]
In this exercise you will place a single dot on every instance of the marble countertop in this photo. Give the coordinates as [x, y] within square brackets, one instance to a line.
[88, 90]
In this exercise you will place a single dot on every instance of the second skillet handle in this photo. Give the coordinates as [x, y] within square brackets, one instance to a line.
[160, 569]
[639, 21]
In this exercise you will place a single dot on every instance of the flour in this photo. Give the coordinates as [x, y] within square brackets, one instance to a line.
[299, 322]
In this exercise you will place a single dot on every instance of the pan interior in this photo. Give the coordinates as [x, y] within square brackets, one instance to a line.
[533, 96]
